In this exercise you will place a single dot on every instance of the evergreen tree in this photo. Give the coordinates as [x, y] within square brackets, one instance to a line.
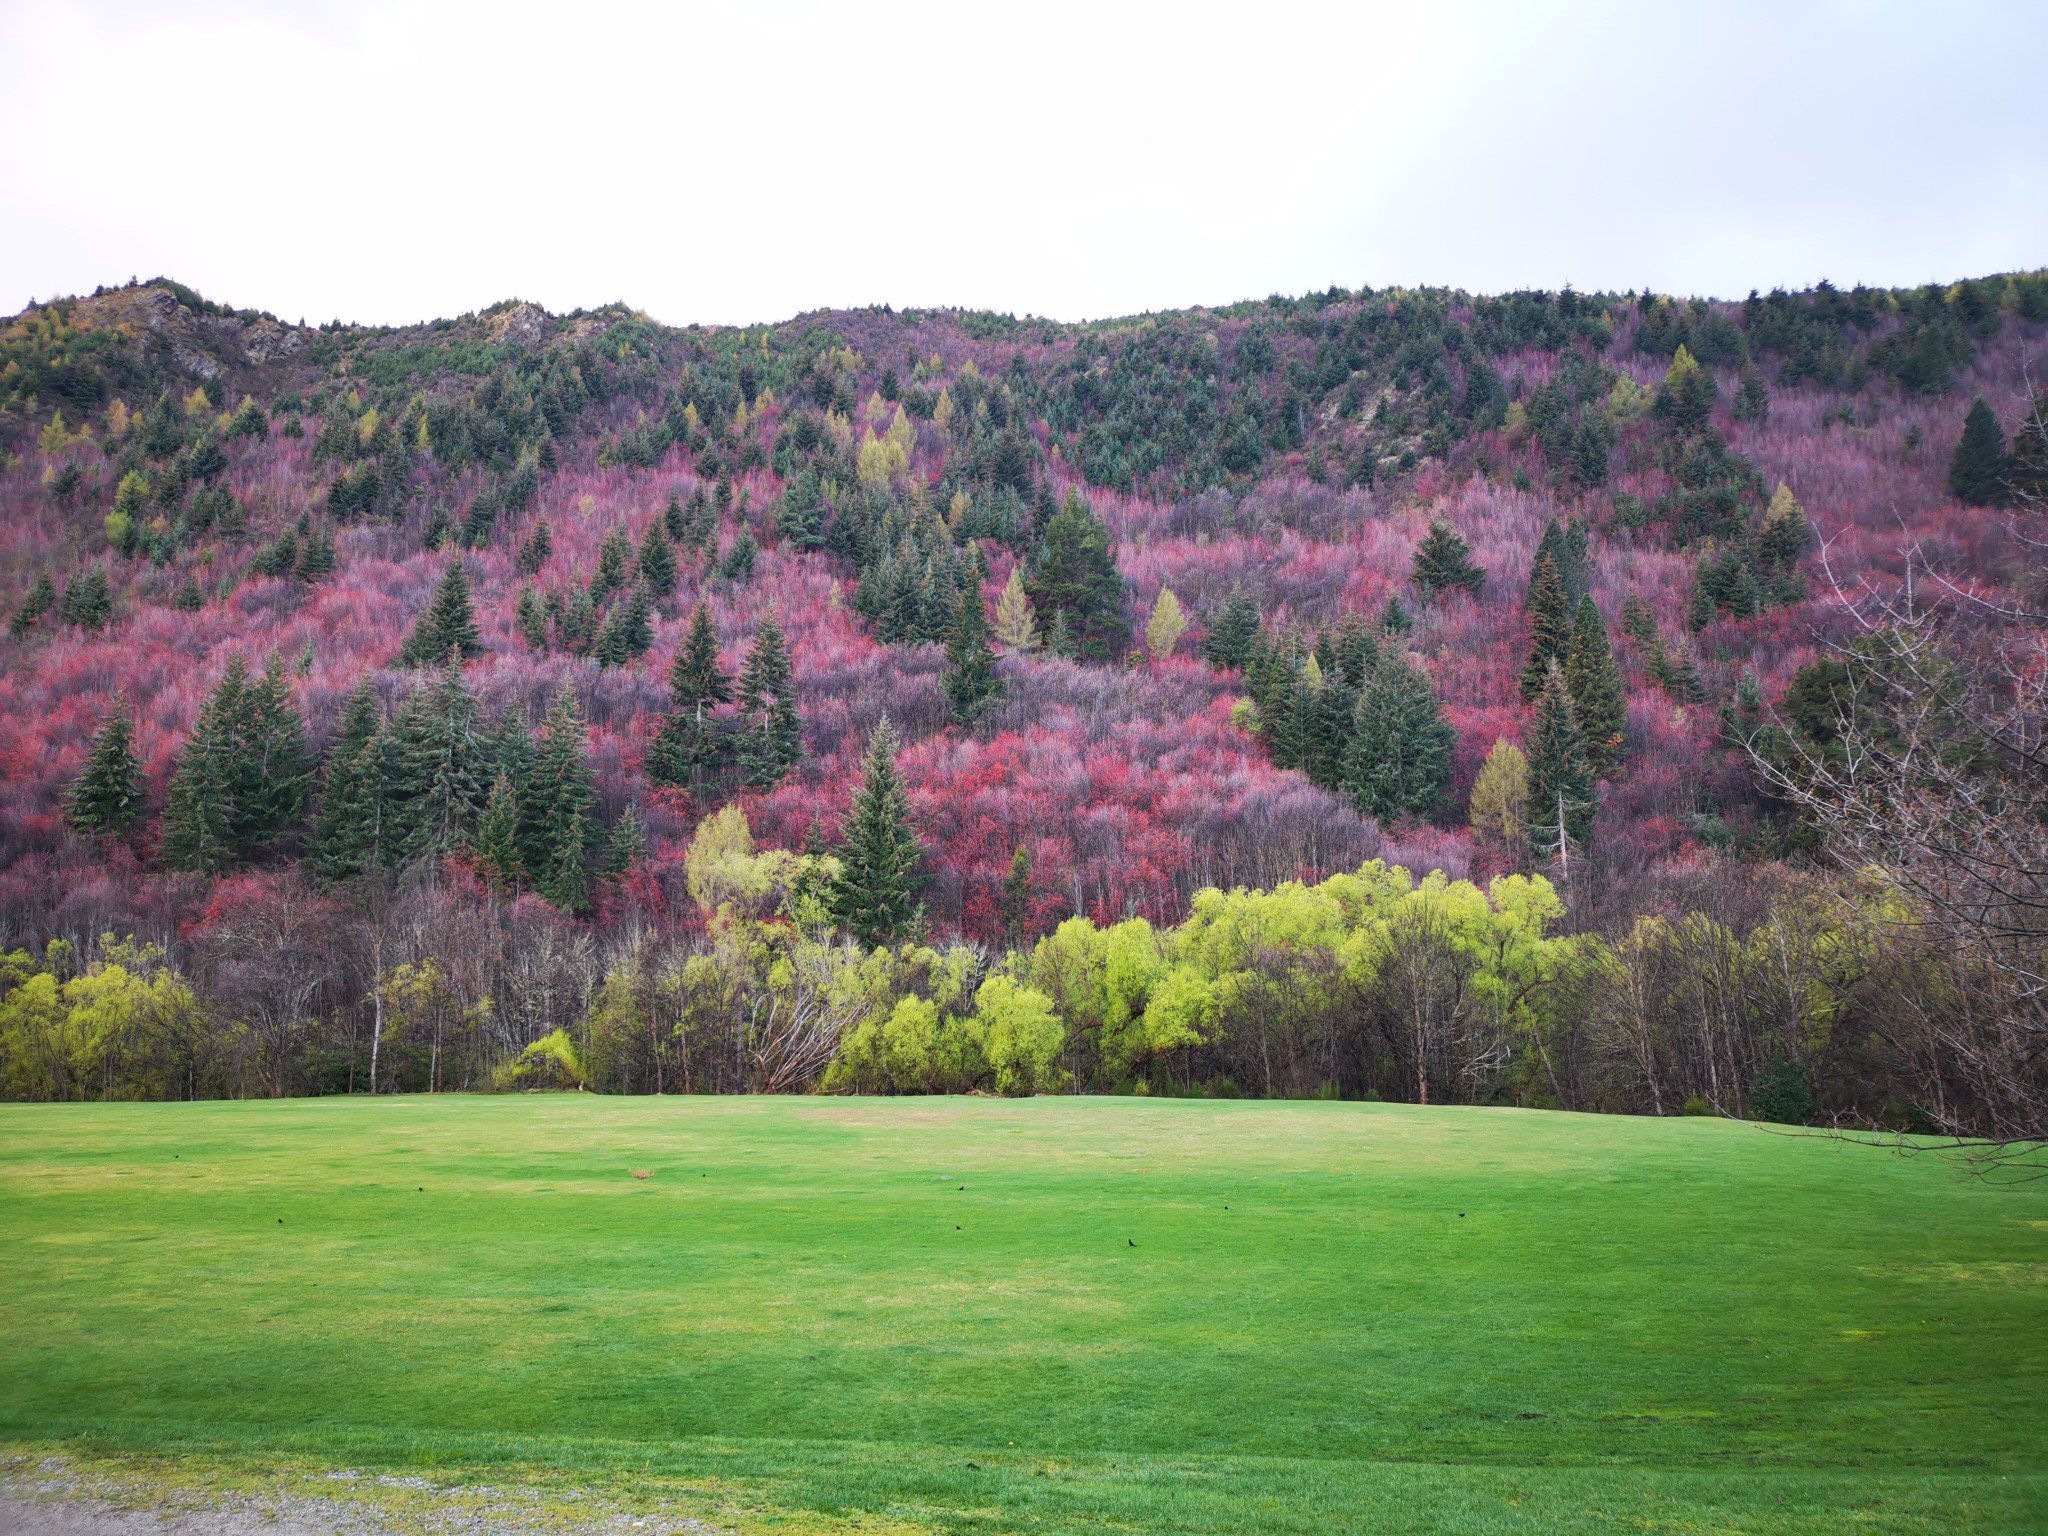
[530, 618]
[614, 559]
[1978, 472]
[1074, 576]
[628, 844]
[628, 630]
[1228, 645]
[536, 548]
[738, 565]
[695, 681]
[971, 681]
[673, 520]
[438, 768]
[199, 813]
[689, 740]
[772, 744]
[316, 558]
[273, 768]
[1443, 563]
[447, 628]
[42, 596]
[1394, 618]
[1549, 616]
[1686, 397]
[1599, 697]
[107, 795]
[1399, 759]
[496, 846]
[879, 857]
[350, 837]
[1565, 541]
[1752, 400]
[88, 600]
[556, 821]
[1560, 798]
[658, 560]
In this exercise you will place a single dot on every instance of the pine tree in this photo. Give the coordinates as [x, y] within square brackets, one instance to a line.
[556, 808]
[1549, 617]
[1016, 626]
[42, 596]
[628, 844]
[316, 558]
[350, 837]
[1565, 541]
[673, 520]
[273, 769]
[199, 812]
[1228, 645]
[2027, 471]
[1167, 624]
[738, 565]
[106, 797]
[1399, 759]
[1752, 400]
[772, 744]
[535, 550]
[1978, 472]
[1640, 625]
[1786, 532]
[1599, 697]
[1394, 618]
[879, 857]
[496, 846]
[530, 618]
[658, 560]
[1560, 798]
[1074, 576]
[971, 681]
[1686, 397]
[628, 630]
[689, 741]
[695, 681]
[1442, 563]
[614, 559]
[88, 600]
[447, 628]
[438, 769]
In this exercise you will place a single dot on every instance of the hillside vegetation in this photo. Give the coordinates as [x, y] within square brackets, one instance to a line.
[380, 705]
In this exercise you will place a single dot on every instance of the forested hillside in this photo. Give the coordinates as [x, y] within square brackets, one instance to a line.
[525, 697]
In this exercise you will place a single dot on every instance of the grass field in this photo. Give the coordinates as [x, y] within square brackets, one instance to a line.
[1046, 1315]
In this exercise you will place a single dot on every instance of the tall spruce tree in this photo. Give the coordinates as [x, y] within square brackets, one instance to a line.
[448, 627]
[1231, 633]
[875, 895]
[1599, 697]
[1549, 616]
[1399, 759]
[688, 743]
[274, 769]
[971, 681]
[1560, 800]
[614, 561]
[1073, 575]
[199, 810]
[106, 797]
[349, 833]
[658, 560]
[557, 825]
[438, 769]
[771, 744]
[496, 846]
[1977, 474]
[1443, 563]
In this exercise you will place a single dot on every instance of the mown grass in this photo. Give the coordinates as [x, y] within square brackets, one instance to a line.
[1046, 1315]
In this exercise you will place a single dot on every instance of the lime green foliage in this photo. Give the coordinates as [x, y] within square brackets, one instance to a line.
[1136, 1315]
[61, 1028]
[550, 1062]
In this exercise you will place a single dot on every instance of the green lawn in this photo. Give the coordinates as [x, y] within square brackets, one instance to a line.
[1044, 1315]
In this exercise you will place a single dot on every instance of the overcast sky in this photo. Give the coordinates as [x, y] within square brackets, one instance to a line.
[397, 161]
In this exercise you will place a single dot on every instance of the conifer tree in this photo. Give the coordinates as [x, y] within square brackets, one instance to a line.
[1228, 645]
[350, 837]
[316, 558]
[556, 826]
[1560, 798]
[614, 559]
[1686, 397]
[1394, 619]
[496, 846]
[628, 843]
[628, 630]
[1549, 617]
[1167, 624]
[1752, 400]
[535, 550]
[658, 560]
[738, 565]
[530, 618]
[274, 770]
[1399, 759]
[1443, 563]
[688, 742]
[42, 596]
[1640, 625]
[88, 600]
[2027, 465]
[1565, 541]
[1073, 575]
[199, 811]
[106, 797]
[971, 680]
[447, 628]
[1499, 809]
[673, 520]
[1599, 697]
[772, 744]
[1977, 474]
[879, 879]
[438, 769]
[1016, 626]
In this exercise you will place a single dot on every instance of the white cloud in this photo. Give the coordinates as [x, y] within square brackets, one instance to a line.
[386, 161]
